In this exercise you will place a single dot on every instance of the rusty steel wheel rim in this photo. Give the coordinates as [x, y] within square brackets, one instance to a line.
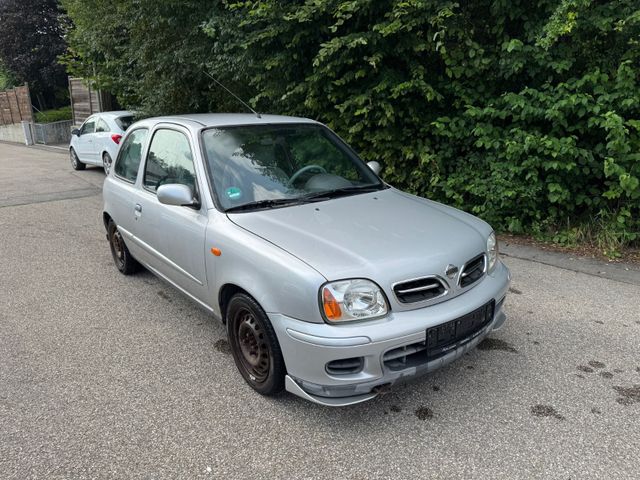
[117, 248]
[253, 347]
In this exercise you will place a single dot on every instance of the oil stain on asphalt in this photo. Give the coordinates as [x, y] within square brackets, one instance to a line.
[584, 368]
[515, 290]
[628, 395]
[496, 344]
[596, 364]
[164, 295]
[424, 413]
[545, 411]
[222, 346]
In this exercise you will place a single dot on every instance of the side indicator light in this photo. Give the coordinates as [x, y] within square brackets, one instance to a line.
[216, 251]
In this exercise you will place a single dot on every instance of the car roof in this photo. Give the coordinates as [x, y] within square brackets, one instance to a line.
[114, 114]
[227, 119]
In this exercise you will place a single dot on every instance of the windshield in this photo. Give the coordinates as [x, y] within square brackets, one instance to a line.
[264, 166]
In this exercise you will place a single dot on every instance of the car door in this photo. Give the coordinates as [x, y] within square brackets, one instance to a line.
[123, 198]
[85, 143]
[101, 137]
[173, 236]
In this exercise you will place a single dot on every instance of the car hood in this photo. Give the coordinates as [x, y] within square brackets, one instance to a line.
[386, 236]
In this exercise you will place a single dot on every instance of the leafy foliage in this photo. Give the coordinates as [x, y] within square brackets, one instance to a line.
[54, 115]
[151, 54]
[6, 78]
[31, 38]
[526, 113]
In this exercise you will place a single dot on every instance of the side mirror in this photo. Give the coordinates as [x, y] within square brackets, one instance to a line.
[375, 166]
[176, 194]
[75, 132]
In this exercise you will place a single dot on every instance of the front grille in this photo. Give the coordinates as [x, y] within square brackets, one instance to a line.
[473, 270]
[419, 290]
[441, 339]
[345, 366]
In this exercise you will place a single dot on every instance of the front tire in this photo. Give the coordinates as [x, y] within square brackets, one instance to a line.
[125, 263]
[254, 345]
[76, 164]
[106, 162]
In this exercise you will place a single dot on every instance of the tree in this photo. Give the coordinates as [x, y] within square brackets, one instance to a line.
[6, 78]
[152, 55]
[31, 39]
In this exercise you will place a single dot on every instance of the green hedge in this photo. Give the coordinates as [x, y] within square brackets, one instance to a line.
[526, 113]
[56, 115]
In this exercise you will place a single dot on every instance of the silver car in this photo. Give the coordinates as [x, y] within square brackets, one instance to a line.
[332, 284]
[97, 140]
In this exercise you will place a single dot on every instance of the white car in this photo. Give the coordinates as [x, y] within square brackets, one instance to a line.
[97, 140]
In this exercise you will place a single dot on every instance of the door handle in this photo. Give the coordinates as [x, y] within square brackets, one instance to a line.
[138, 207]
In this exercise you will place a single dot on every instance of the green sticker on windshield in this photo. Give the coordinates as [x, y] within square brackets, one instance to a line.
[234, 193]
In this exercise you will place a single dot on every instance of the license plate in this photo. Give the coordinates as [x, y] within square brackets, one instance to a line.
[455, 333]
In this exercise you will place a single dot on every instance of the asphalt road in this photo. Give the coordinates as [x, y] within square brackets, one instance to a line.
[106, 376]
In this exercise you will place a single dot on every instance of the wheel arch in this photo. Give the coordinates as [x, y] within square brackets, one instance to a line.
[105, 219]
[226, 293]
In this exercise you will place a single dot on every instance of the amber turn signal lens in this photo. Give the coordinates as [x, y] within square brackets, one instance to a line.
[331, 306]
[216, 251]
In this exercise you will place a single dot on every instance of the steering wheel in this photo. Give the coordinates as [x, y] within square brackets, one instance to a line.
[305, 169]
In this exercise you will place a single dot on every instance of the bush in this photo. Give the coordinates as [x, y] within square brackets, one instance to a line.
[524, 113]
[49, 116]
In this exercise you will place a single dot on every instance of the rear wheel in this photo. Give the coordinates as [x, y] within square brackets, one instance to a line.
[106, 162]
[125, 263]
[75, 161]
[254, 345]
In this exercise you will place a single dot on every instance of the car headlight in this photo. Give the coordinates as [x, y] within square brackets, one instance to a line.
[492, 251]
[351, 300]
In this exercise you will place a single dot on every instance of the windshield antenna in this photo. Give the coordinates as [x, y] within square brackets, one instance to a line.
[232, 94]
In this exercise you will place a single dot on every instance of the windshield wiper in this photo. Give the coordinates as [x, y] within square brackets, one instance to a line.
[344, 191]
[313, 197]
[271, 203]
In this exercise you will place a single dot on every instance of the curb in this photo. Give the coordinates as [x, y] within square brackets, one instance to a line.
[620, 272]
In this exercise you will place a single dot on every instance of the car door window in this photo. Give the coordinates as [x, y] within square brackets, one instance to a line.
[88, 127]
[169, 161]
[130, 154]
[102, 126]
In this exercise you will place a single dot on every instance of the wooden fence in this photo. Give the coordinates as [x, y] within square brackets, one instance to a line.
[15, 105]
[86, 100]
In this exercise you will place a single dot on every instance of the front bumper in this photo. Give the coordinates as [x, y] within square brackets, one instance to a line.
[308, 347]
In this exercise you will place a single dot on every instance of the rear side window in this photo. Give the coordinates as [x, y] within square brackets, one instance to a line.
[130, 155]
[124, 122]
[102, 126]
[169, 161]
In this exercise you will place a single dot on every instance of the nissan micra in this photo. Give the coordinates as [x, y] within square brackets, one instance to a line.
[332, 284]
